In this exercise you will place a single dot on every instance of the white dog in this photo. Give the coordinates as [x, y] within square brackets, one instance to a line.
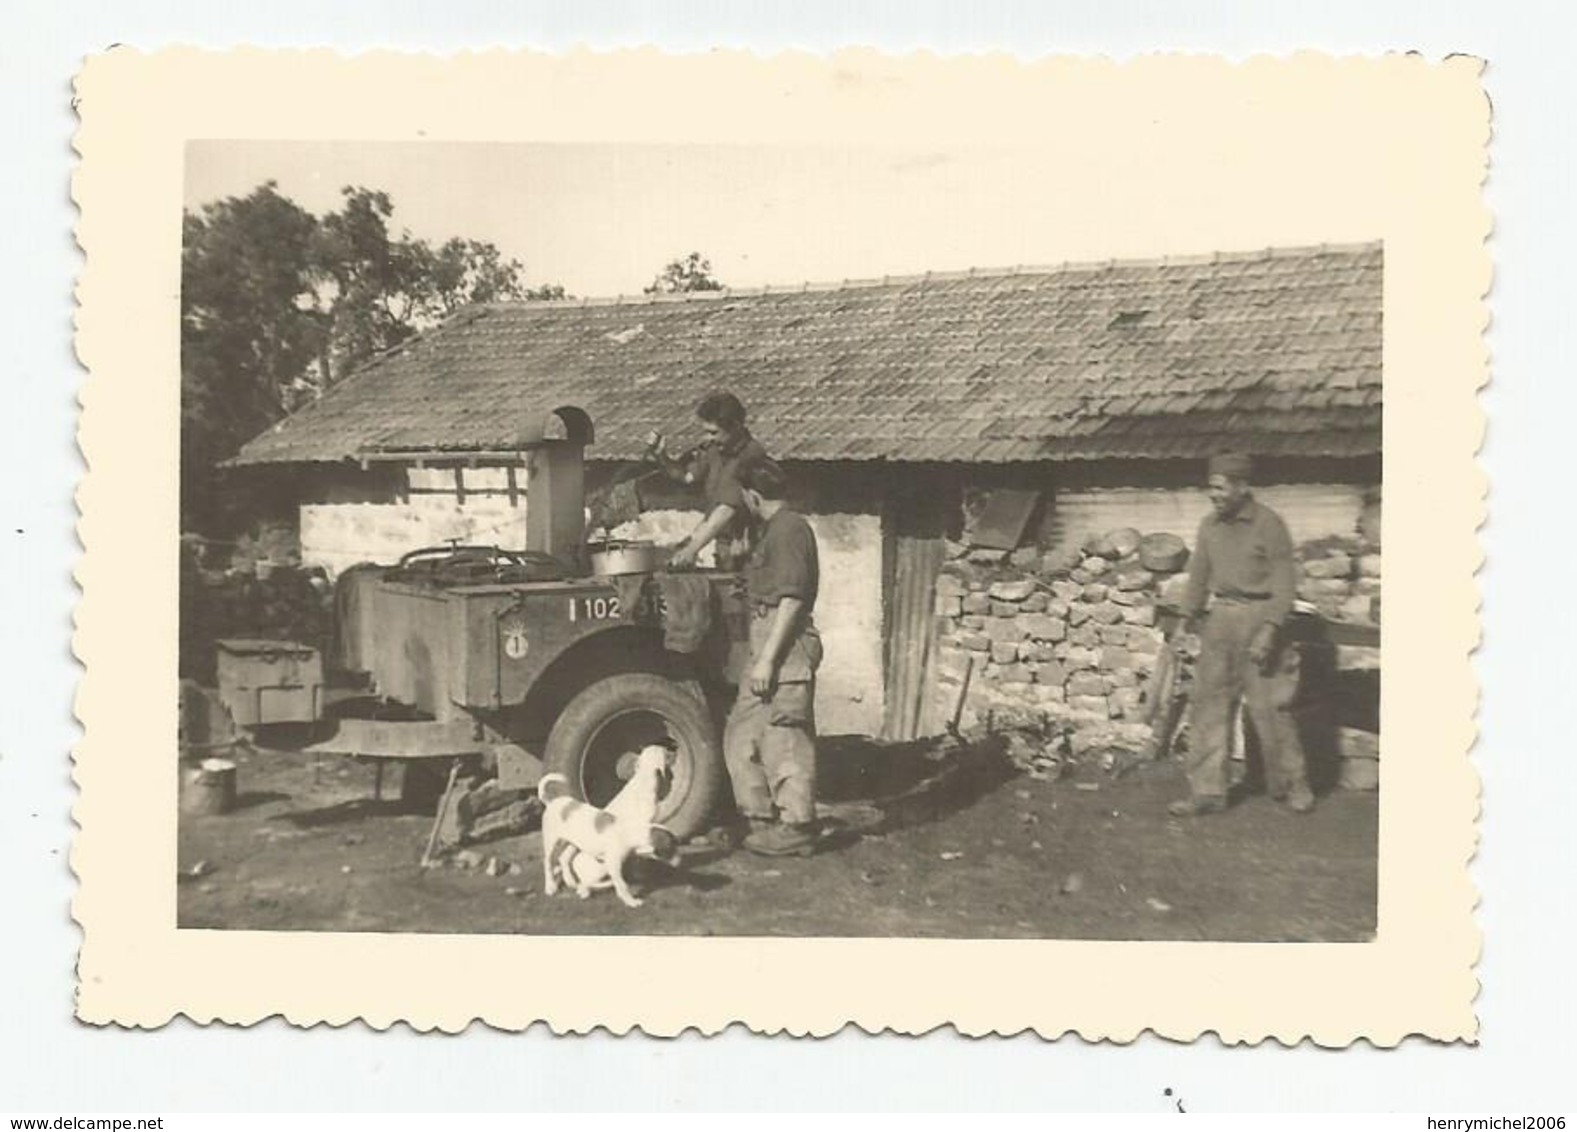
[596, 843]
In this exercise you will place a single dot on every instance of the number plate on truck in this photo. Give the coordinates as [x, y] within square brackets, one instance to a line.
[595, 608]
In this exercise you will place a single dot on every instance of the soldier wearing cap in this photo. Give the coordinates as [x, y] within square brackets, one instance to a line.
[1241, 581]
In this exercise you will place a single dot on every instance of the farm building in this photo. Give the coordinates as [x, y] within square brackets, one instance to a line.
[995, 418]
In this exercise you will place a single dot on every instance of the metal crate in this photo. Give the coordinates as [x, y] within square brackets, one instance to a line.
[262, 681]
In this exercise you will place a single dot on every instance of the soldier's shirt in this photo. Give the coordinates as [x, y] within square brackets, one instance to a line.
[1246, 557]
[785, 563]
[717, 471]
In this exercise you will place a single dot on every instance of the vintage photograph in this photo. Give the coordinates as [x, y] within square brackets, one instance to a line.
[753, 540]
[900, 548]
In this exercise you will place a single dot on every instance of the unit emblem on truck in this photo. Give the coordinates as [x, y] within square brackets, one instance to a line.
[512, 632]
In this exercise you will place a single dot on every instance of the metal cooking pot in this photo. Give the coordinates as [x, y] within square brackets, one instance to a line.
[626, 556]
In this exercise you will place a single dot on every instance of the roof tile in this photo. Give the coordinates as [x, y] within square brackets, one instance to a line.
[1278, 351]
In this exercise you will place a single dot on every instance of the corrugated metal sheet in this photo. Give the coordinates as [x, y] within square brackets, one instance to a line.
[911, 635]
[914, 524]
[1310, 510]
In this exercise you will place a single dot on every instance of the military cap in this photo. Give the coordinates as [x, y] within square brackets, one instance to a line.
[1234, 465]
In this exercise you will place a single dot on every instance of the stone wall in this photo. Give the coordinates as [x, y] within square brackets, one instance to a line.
[1059, 635]
[1340, 577]
[1064, 642]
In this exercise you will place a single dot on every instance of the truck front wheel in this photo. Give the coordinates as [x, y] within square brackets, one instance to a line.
[599, 734]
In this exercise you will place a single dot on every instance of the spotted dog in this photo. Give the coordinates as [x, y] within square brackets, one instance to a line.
[587, 848]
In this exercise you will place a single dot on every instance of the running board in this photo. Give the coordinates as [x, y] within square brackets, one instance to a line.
[414, 739]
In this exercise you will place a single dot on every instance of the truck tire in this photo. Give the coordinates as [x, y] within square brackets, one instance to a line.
[594, 742]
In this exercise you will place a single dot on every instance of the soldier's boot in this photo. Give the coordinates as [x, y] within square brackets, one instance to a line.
[735, 833]
[783, 841]
[1300, 799]
[1197, 807]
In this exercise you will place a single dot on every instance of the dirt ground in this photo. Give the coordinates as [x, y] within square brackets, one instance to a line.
[919, 842]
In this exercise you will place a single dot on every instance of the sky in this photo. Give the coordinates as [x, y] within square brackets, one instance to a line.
[603, 219]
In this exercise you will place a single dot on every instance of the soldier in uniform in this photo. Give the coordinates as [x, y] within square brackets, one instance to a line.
[1241, 581]
[715, 467]
[769, 744]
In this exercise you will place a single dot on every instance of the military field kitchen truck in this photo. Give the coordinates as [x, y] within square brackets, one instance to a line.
[561, 656]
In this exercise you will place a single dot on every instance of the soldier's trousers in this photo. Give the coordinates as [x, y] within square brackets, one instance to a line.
[770, 749]
[1224, 675]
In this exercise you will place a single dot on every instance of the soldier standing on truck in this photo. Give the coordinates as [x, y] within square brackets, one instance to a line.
[1242, 567]
[715, 466]
[769, 744]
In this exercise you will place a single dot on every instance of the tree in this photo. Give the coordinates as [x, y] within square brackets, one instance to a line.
[462, 272]
[364, 282]
[278, 304]
[692, 273]
[378, 290]
[248, 327]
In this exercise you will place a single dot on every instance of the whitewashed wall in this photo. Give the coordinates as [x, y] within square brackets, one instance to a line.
[336, 534]
[850, 685]
[1311, 510]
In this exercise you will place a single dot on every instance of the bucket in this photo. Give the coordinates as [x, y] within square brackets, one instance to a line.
[209, 788]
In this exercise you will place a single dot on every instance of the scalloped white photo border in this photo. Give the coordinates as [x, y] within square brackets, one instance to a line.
[1402, 147]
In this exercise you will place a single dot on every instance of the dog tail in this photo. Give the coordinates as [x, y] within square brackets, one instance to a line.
[552, 786]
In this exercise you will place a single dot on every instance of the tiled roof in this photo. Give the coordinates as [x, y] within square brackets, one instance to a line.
[1275, 352]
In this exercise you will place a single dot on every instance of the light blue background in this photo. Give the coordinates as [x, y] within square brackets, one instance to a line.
[49, 1063]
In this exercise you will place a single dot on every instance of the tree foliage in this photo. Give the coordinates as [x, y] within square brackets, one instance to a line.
[278, 304]
[249, 329]
[691, 273]
[377, 289]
